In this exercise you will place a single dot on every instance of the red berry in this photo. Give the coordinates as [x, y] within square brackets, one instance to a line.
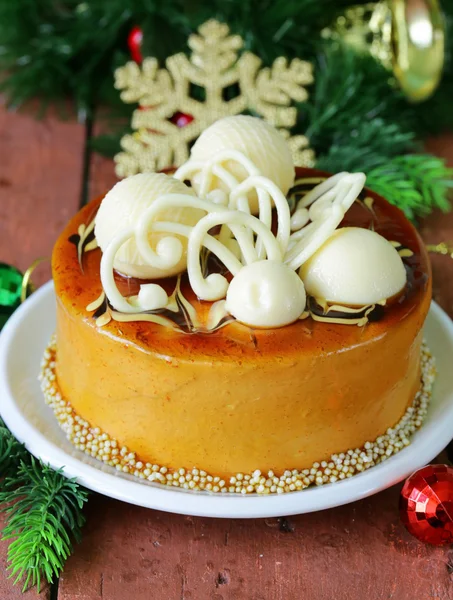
[134, 41]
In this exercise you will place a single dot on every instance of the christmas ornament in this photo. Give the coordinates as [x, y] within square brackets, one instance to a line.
[426, 504]
[405, 36]
[181, 120]
[197, 87]
[14, 288]
[134, 42]
[10, 291]
[441, 248]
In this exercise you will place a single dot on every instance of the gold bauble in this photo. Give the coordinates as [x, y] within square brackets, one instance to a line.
[405, 36]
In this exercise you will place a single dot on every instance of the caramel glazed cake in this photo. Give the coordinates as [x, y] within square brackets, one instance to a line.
[241, 326]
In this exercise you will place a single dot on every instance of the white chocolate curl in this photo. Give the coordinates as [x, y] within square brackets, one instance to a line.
[266, 294]
[258, 149]
[123, 207]
[327, 204]
[355, 267]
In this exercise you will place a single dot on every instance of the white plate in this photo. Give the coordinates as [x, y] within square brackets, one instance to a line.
[22, 407]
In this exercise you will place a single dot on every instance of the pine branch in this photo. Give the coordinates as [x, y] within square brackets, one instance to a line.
[12, 453]
[43, 514]
[416, 183]
[350, 92]
[365, 146]
[55, 49]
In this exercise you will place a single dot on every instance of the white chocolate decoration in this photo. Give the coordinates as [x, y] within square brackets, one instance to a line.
[354, 267]
[160, 227]
[152, 296]
[299, 219]
[123, 207]
[266, 294]
[328, 203]
[257, 142]
[169, 249]
[215, 286]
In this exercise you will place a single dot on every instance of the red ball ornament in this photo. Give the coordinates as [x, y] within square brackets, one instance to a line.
[181, 119]
[134, 41]
[426, 504]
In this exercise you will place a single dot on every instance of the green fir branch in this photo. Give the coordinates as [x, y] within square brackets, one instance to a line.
[43, 515]
[351, 92]
[54, 49]
[58, 49]
[366, 145]
[415, 183]
[12, 453]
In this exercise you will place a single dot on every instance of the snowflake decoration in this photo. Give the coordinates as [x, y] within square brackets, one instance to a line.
[214, 68]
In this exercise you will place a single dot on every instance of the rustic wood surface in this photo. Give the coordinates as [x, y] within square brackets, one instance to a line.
[355, 552]
[40, 188]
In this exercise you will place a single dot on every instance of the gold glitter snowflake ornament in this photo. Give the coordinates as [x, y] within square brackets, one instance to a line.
[214, 67]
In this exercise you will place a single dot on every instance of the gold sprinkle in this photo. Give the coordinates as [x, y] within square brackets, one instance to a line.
[103, 319]
[405, 253]
[96, 303]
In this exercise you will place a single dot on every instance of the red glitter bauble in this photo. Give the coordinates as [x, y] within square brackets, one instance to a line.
[426, 504]
[181, 120]
[134, 41]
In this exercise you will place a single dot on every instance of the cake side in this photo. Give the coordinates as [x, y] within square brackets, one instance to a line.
[230, 417]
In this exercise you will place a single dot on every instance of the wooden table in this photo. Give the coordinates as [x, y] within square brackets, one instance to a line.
[355, 552]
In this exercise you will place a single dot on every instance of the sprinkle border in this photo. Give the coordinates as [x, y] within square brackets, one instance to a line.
[101, 446]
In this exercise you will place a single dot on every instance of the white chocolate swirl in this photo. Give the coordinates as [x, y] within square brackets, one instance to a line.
[245, 244]
[327, 204]
[215, 286]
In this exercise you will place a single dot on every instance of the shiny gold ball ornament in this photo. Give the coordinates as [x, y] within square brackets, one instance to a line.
[406, 36]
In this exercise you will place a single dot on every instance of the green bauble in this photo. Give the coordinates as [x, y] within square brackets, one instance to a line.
[10, 291]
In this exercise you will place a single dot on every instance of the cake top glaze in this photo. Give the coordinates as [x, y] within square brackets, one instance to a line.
[224, 247]
[77, 288]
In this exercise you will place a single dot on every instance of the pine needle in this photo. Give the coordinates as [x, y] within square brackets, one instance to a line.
[366, 145]
[12, 453]
[43, 513]
[415, 183]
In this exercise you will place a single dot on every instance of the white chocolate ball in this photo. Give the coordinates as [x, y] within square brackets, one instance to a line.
[354, 267]
[152, 296]
[258, 141]
[123, 206]
[266, 294]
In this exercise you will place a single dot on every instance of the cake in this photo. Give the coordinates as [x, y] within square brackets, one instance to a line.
[221, 330]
